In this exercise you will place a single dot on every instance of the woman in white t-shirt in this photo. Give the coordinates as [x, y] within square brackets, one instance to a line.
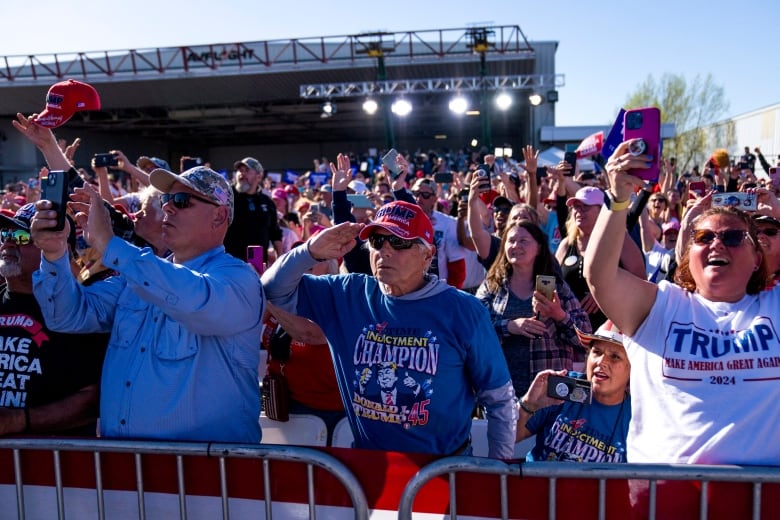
[705, 354]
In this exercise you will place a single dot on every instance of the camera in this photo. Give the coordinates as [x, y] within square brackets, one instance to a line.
[105, 159]
[464, 195]
[569, 389]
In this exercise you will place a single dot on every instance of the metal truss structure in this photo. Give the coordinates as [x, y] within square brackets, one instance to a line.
[438, 85]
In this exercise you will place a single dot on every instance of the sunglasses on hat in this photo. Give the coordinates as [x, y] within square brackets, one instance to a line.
[181, 200]
[376, 241]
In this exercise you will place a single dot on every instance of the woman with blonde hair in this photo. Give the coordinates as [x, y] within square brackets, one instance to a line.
[536, 332]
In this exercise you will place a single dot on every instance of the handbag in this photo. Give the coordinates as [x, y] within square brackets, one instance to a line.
[276, 397]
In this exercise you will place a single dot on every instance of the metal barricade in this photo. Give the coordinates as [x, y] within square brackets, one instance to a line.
[650, 478]
[184, 452]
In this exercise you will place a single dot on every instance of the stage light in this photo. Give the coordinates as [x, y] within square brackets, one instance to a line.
[401, 108]
[535, 99]
[328, 109]
[503, 101]
[370, 106]
[459, 105]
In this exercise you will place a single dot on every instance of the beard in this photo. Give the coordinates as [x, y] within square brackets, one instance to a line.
[242, 187]
[10, 269]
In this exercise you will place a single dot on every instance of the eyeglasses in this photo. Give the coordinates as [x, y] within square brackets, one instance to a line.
[770, 232]
[377, 241]
[182, 200]
[424, 194]
[503, 211]
[729, 237]
[20, 237]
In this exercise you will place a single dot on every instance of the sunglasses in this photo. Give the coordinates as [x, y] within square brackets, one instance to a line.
[181, 200]
[503, 211]
[20, 237]
[729, 238]
[770, 232]
[424, 194]
[396, 242]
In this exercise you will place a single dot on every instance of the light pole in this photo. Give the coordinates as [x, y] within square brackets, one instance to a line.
[535, 99]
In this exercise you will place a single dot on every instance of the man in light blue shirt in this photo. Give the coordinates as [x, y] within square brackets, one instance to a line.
[185, 331]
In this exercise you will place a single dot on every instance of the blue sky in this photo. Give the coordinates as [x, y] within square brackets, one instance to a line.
[606, 48]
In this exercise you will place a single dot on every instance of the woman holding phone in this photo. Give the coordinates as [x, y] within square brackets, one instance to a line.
[536, 332]
[705, 352]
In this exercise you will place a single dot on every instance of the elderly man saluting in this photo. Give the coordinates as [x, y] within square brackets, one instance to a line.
[437, 341]
[182, 359]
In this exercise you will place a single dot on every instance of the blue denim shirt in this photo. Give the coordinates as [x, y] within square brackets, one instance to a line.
[182, 360]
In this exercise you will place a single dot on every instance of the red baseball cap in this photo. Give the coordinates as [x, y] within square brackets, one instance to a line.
[65, 99]
[402, 219]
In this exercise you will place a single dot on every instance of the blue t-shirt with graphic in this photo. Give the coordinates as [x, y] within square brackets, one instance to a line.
[415, 364]
[579, 432]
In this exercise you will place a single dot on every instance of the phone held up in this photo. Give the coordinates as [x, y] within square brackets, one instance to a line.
[545, 284]
[191, 162]
[105, 159]
[54, 188]
[569, 389]
[570, 158]
[391, 161]
[643, 125]
[254, 256]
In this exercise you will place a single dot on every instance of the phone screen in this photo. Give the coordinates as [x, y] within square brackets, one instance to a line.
[390, 160]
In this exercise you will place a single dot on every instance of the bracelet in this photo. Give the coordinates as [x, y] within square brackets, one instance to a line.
[526, 409]
[26, 420]
[619, 205]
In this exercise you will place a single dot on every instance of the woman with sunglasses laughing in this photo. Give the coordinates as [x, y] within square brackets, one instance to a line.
[705, 353]
[412, 354]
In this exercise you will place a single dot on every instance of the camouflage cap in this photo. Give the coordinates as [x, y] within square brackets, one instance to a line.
[249, 162]
[205, 181]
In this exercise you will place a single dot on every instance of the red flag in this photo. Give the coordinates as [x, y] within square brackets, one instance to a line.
[591, 145]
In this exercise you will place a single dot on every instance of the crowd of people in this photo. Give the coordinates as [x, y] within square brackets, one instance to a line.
[407, 303]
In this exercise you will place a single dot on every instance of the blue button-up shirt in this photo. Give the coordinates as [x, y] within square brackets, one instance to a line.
[182, 360]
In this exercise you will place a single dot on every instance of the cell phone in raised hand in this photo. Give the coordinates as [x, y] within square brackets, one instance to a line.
[54, 188]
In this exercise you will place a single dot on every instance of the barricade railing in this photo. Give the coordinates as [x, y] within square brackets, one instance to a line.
[145, 468]
[623, 490]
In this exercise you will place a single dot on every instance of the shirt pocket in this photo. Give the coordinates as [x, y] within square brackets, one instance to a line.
[175, 343]
[130, 320]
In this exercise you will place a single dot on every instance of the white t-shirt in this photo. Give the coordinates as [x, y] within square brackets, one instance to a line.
[705, 380]
[445, 233]
[657, 262]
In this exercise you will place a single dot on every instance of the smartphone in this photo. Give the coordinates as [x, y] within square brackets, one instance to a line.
[738, 200]
[254, 256]
[442, 178]
[464, 194]
[699, 187]
[105, 159]
[569, 389]
[192, 162]
[774, 176]
[541, 173]
[391, 161]
[645, 124]
[54, 188]
[570, 158]
[545, 284]
[314, 209]
[360, 201]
